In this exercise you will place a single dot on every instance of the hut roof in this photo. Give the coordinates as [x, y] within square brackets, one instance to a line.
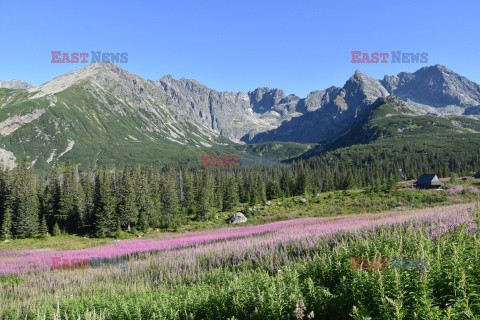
[428, 180]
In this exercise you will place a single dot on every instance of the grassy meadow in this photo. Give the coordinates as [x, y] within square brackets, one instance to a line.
[289, 261]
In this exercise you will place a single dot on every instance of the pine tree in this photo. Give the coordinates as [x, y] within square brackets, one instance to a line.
[253, 190]
[56, 230]
[273, 188]
[51, 198]
[127, 211]
[87, 188]
[72, 201]
[285, 183]
[4, 191]
[104, 205]
[230, 198]
[43, 229]
[203, 196]
[78, 220]
[188, 193]
[301, 186]
[260, 189]
[218, 188]
[6, 231]
[146, 213]
[169, 199]
[26, 206]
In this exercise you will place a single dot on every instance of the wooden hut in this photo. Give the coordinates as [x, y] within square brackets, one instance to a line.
[428, 181]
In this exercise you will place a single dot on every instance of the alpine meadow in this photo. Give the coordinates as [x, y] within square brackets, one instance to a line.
[212, 192]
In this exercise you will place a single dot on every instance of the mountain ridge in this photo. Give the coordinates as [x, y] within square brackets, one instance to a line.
[106, 106]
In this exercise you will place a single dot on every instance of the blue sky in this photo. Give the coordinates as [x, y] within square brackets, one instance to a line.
[298, 46]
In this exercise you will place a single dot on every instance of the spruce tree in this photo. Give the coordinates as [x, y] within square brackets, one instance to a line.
[169, 199]
[230, 197]
[43, 229]
[56, 230]
[87, 188]
[127, 211]
[188, 193]
[253, 190]
[104, 205]
[26, 206]
[285, 183]
[203, 196]
[146, 213]
[71, 206]
[273, 188]
[301, 186]
[260, 189]
[6, 231]
[218, 188]
[51, 197]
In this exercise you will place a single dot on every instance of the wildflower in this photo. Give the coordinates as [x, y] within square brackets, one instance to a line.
[298, 313]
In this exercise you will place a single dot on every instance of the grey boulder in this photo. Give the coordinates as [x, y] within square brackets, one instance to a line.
[237, 218]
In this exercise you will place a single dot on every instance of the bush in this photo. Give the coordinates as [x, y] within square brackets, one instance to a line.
[56, 230]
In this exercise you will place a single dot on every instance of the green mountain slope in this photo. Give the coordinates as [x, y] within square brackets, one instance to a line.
[104, 115]
[391, 128]
[100, 123]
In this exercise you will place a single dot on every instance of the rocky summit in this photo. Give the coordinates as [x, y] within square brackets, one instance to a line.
[103, 113]
[15, 84]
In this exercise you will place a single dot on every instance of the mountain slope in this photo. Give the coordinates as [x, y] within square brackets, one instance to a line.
[265, 114]
[99, 114]
[15, 84]
[392, 127]
[436, 90]
[102, 114]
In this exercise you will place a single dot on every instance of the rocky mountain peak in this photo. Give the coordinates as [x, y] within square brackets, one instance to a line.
[266, 97]
[103, 74]
[434, 86]
[15, 84]
[364, 88]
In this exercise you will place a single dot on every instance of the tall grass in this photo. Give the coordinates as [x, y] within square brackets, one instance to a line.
[296, 270]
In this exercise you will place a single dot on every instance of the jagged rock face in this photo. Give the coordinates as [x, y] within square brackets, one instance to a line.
[15, 84]
[97, 113]
[267, 114]
[435, 86]
[233, 115]
[327, 112]
[102, 102]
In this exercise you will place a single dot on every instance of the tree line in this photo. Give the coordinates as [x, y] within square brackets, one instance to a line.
[101, 202]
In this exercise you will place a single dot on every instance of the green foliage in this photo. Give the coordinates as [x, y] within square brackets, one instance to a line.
[43, 229]
[6, 231]
[292, 281]
[454, 179]
[56, 230]
[127, 211]
[230, 198]
[25, 202]
[104, 204]
[273, 189]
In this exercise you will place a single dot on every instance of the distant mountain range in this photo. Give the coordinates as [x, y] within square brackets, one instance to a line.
[102, 114]
[15, 84]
